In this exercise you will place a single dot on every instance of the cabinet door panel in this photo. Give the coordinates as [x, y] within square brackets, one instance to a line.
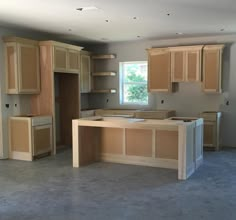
[209, 130]
[73, 60]
[159, 71]
[211, 70]
[193, 66]
[177, 66]
[29, 68]
[60, 58]
[85, 84]
[11, 64]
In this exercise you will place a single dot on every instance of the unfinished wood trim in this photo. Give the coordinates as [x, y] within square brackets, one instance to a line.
[124, 142]
[137, 160]
[60, 55]
[76, 146]
[60, 44]
[15, 155]
[103, 74]
[85, 70]
[103, 56]
[20, 40]
[153, 143]
[11, 68]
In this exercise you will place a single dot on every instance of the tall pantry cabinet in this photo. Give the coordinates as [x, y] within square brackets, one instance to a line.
[60, 90]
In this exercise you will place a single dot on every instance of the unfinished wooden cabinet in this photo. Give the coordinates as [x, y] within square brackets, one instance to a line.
[60, 89]
[29, 136]
[186, 63]
[85, 71]
[211, 137]
[22, 66]
[212, 68]
[159, 78]
[66, 57]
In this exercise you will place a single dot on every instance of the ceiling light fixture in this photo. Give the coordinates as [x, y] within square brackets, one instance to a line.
[179, 33]
[106, 20]
[222, 29]
[168, 14]
[134, 18]
[88, 8]
[138, 36]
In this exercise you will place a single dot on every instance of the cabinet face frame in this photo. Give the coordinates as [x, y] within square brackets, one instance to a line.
[159, 52]
[174, 77]
[218, 50]
[13, 90]
[85, 87]
[19, 62]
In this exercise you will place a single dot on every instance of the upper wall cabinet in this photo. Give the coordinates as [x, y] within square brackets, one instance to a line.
[85, 72]
[159, 79]
[186, 63]
[66, 57]
[22, 66]
[212, 67]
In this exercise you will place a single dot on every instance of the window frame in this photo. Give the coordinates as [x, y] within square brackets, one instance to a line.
[123, 83]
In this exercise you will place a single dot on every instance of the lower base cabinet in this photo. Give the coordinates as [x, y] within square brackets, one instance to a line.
[211, 136]
[29, 137]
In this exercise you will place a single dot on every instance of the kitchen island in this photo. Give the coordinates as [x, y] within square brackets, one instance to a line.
[173, 144]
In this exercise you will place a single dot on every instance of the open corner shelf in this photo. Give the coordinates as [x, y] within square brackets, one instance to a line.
[103, 74]
[103, 91]
[104, 56]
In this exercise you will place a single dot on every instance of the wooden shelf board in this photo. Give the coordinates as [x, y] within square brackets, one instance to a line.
[104, 56]
[103, 91]
[103, 74]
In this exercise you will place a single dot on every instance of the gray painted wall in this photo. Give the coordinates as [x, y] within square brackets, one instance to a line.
[189, 100]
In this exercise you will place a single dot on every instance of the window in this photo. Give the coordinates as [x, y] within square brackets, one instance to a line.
[133, 83]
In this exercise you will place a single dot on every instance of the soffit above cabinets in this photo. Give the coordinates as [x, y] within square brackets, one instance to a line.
[123, 20]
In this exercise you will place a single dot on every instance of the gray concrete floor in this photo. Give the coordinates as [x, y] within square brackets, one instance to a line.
[50, 188]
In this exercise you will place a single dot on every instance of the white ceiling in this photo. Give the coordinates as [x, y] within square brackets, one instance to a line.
[190, 17]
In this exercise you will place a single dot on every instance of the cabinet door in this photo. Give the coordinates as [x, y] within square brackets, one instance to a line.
[178, 66]
[60, 59]
[28, 68]
[73, 61]
[193, 66]
[209, 134]
[212, 58]
[42, 139]
[85, 79]
[159, 70]
[11, 68]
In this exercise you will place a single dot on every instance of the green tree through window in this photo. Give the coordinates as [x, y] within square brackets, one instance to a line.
[134, 83]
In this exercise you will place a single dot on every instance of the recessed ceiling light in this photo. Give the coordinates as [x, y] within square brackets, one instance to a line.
[88, 8]
[69, 30]
[179, 33]
[106, 20]
[222, 29]
[138, 36]
[168, 14]
[134, 18]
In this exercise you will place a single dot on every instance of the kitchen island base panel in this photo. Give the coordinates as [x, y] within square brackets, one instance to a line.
[182, 141]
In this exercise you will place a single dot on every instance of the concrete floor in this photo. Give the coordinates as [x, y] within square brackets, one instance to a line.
[50, 188]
